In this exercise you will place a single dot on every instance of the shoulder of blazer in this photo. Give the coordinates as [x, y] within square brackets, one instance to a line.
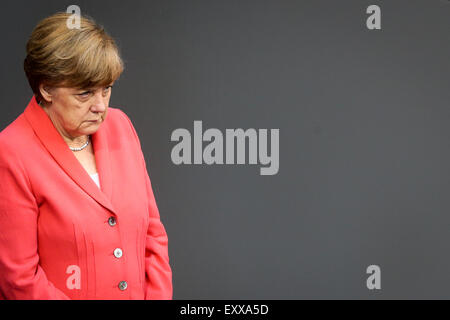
[14, 146]
[119, 123]
[15, 137]
[16, 129]
[116, 118]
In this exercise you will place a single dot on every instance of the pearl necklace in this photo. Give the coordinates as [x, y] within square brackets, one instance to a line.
[82, 147]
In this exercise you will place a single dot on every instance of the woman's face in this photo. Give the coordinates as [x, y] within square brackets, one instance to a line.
[77, 112]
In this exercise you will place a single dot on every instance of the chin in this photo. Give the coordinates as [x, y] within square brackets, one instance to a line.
[92, 130]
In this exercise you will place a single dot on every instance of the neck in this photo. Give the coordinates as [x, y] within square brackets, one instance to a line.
[76, 142]
[72, 141]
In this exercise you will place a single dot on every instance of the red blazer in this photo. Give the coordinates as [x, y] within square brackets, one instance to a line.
[61, 237]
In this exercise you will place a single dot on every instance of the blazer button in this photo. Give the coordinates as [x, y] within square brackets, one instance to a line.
[118, 253]
[112, 221]
[123, 285]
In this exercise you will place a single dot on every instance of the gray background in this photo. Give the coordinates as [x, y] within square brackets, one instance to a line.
[364, 138]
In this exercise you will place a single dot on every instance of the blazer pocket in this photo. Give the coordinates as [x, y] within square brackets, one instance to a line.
[86, 262]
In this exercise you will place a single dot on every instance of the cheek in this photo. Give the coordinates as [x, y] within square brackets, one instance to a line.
[74, 120]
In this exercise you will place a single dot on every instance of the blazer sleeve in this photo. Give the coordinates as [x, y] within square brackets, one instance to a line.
[158, 274]
[21, 276]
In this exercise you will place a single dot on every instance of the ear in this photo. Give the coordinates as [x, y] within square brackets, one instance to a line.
[46, 92]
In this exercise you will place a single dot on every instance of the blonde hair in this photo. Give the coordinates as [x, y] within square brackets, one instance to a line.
[80, 58]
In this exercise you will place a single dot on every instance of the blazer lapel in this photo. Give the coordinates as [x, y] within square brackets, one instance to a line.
[102, 159]
[58, 148]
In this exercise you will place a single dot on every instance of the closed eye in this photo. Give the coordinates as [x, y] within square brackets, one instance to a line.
[84, 94]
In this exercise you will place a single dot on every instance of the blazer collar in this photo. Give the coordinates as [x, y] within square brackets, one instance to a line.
[58, 148]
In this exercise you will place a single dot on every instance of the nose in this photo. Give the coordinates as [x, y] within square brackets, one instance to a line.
[100, 103]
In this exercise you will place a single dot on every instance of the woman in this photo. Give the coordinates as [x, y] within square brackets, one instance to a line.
[78, 219]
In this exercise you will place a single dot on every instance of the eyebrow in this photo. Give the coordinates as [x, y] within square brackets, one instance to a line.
[94, 88]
